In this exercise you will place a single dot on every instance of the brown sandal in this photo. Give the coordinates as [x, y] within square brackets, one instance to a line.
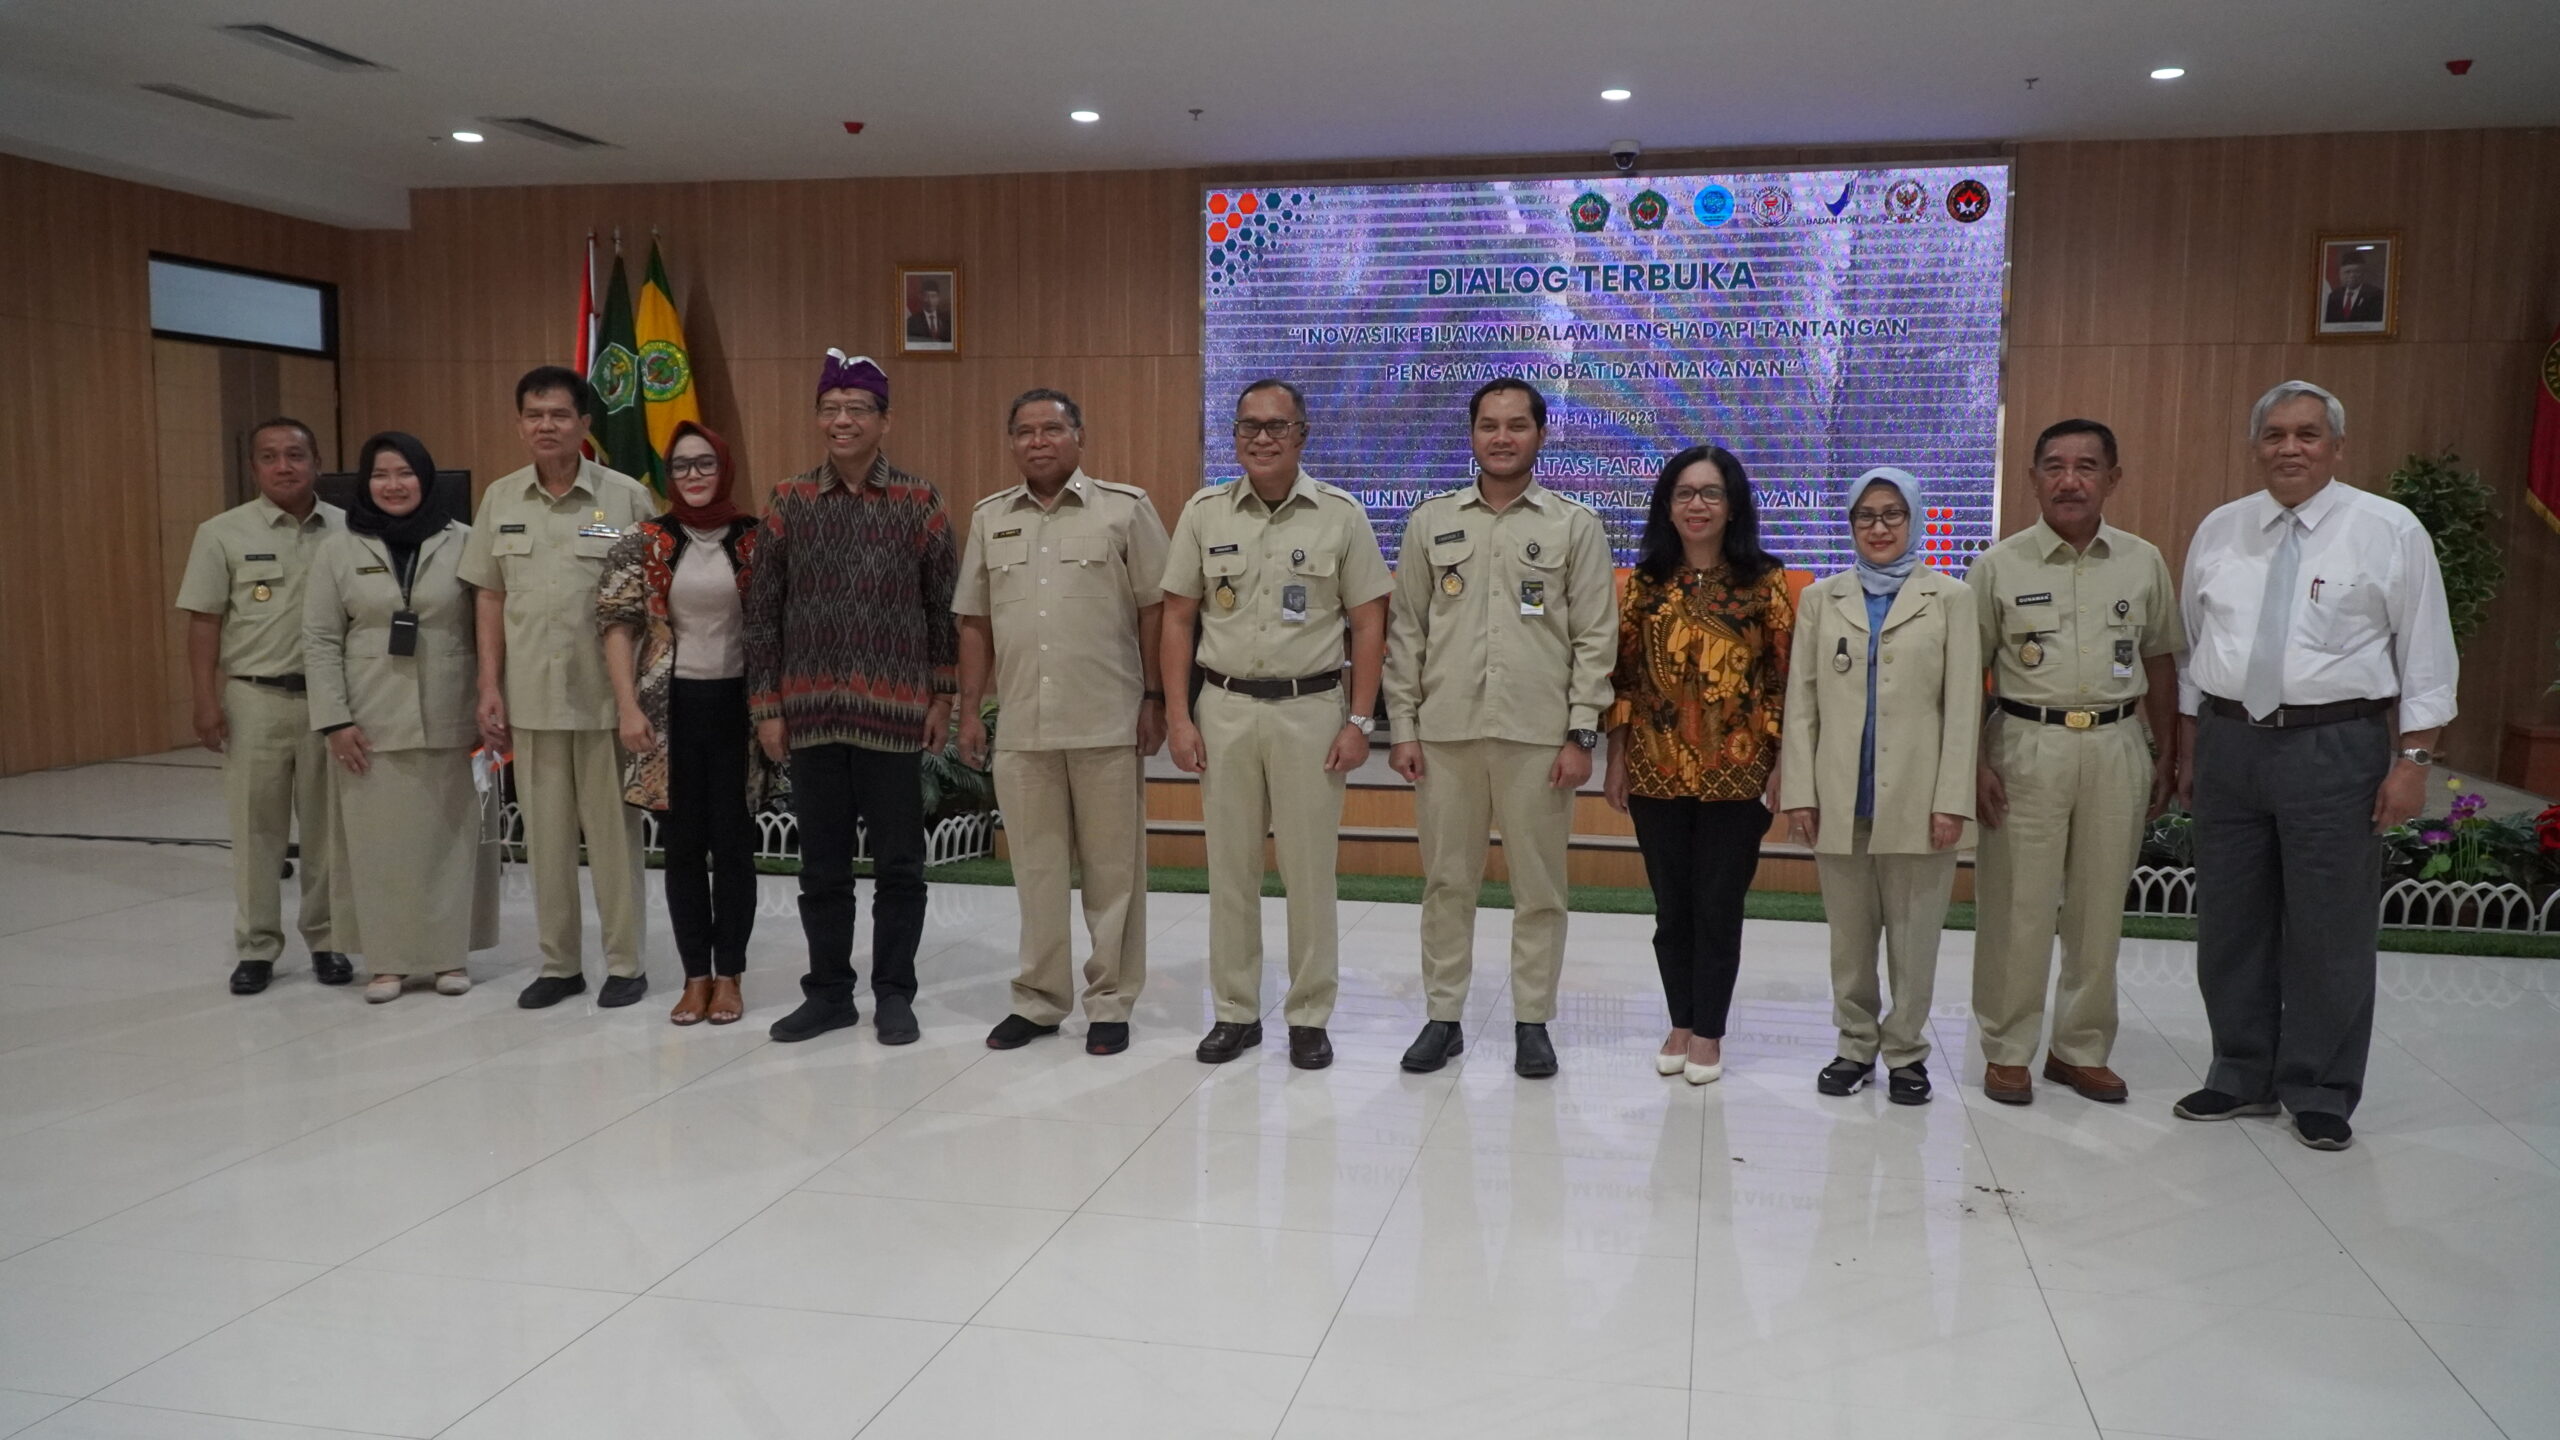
[726, 1003]
[690, 1005]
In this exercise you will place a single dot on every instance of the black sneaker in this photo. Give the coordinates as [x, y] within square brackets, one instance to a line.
[815, 1017]
[895, 1019]
[2214, 1105]
[1844, 1077]
[621, 990]
[549, 990]
[251, 976]
[1907, 1084]
[331, 968]
[1309, 1047]
[1106, 1037]
[1226, 1040]
[1013, 1032]
[1533, 1055]
[2322, 1131]
[1431, 1049]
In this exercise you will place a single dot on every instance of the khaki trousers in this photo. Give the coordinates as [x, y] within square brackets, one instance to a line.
[275, 770]
[1904, 899]
[411, 825]
[2066, 852]
[1062, 808]
[569, 782]
[1266, 776]
[1469, 786]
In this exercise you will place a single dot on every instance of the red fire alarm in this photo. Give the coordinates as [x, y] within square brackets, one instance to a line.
[854, 127]
[2458, 67]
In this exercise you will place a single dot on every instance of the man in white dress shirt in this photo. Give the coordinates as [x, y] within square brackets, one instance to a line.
[2320, 670]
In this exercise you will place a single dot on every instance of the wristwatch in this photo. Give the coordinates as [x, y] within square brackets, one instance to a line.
[1587, 739]
[2419, 756]
[1365, 724]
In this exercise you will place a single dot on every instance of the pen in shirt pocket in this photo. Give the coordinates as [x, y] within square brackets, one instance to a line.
[2316, 583]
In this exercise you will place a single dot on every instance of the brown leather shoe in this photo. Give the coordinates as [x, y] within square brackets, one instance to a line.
[2008, 1084]
[690, 1005]
[726, 1003]
[2094, 1082]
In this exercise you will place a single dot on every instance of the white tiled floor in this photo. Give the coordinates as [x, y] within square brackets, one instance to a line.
[298, 1217]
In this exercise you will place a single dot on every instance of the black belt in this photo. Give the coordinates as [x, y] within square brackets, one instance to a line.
[1315, 684]
[291, 683]
[2070, 719]
[2296, 717]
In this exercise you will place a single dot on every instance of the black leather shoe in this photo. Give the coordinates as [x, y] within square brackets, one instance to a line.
[251, 976]
[331, 968]
[1226, 1040]
[1309, 1047]
[1431, 1049]
[2215, 1105]
[1844, 1076]
[1907, 1084]
[621, 990]
[1106, 1037]
[815, 1017]
[1013, 1032]
[549, 990]
[1533, 1055]
[895, 1018]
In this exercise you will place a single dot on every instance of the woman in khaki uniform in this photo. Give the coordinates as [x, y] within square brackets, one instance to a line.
[1876, 771]
[388, 651]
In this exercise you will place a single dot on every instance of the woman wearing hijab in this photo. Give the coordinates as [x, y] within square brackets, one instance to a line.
[1703, 634]
[391, 663]
[672, 591]
[1876, 772]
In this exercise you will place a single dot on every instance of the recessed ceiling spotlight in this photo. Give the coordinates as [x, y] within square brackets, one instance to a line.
[469, 137]
[1084, 117]
[2168, 72]
[1615, 93]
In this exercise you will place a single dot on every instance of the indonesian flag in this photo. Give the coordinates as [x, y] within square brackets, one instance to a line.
[2542, 474]
[586, 339]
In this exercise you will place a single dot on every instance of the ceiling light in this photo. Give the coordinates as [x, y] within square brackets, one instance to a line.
[2168, 72]
[300, 47]
[1084, 117]
[1616, 94]
[469, 137]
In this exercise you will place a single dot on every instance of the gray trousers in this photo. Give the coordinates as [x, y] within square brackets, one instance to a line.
[2289, 876]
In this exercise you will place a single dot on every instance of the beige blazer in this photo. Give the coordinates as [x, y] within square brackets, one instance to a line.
[1928, 711]
[404, 702]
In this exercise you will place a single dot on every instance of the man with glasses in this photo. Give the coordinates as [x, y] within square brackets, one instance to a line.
[1059, 595]
[1269, 569]
[1505, 632]
[2080, 632]
[851, 666]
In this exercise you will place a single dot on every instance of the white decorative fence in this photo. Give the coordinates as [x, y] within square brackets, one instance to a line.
[2404, 904]
[962, 837]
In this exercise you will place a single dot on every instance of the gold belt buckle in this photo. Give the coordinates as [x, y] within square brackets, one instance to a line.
[2079, 719]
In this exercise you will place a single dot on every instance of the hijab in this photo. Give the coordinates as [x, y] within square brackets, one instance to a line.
[723, 509]
[402, 534]
[1887, 578]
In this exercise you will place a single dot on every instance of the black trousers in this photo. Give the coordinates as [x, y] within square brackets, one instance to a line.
[706, 832]
[835, 788]
[1700, 856]
[2289, 880]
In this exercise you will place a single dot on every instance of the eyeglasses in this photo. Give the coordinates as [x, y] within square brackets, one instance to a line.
[1276, 429]
[1871, 519]
[1051, 431]
[847, 412]
[1710, 496]
[684, 465]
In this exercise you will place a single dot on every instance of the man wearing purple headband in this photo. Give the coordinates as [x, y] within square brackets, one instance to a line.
[852, 662]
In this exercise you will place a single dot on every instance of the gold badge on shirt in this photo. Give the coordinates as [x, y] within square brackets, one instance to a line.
[2031, 654]
[1226, 594]
[260, 591]
[1453, 584]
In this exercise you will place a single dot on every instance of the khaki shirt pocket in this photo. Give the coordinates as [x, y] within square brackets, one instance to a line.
[1084, 571]
[1228, 567]
[1453, 556]
[1009, 569]
[248, 575]
[1540, 580]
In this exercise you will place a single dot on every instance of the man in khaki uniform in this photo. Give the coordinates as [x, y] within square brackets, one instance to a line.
[2080, 629]
[1266, 570]
[535, 552]
[1498, 661]
[1059, 594]
[243, 598]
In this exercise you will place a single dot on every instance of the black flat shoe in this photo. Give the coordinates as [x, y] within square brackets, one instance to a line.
[621, 990]
[1106, 1037]
[251, 976]
[331, 968]
[1226, 1040]
[1533, 1055]
[1309, 1047]
[1844, 1077]
[1013, 1032]
[895, 1019]
[2322, 1131]
[813, 1018]
[1431, 1049]
[2215, 1105]
[1907, 1084]
[549, 990]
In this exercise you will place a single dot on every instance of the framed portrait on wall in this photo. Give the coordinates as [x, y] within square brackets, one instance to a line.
[929, 309]
[2355, 289]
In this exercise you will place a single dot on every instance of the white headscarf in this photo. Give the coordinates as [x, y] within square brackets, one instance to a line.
[1886, 579]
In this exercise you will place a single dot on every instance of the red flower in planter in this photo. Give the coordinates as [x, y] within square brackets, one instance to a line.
[2546, 828]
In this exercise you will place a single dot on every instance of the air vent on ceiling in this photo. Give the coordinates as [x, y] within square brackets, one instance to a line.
[546, 132]
[198, 97]
[300, 47]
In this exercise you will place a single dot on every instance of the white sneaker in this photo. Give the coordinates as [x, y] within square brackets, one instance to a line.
[382, 989]
[453, 982]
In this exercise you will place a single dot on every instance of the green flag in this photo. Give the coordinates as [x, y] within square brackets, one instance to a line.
[622, 429]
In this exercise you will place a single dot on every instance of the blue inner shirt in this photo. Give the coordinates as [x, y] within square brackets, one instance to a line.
[1877, 605]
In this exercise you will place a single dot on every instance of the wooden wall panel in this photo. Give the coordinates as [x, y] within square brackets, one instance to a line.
[191, 465]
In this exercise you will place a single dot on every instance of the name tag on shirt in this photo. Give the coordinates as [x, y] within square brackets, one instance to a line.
[373, 569]
[247, 558]
[1450, 538]
[510, 529]
[1008, 534]
[1293, 604]
[598, 532]
[1224, 549]
[2041, 597]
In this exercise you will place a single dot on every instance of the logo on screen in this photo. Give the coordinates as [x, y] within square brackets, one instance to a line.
[1905, 201]
[1772, 206]
[1836, 206]
[1241, 224]
[1589, 211]
[1648, 210]
[1968, 200]
[1713, 207]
